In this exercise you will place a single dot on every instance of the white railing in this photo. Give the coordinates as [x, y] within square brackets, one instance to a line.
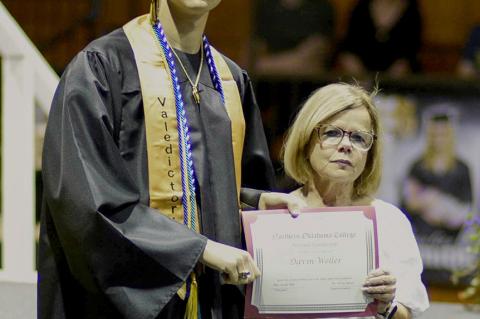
[27, 80]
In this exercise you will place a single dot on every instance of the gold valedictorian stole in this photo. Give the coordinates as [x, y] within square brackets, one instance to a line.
[165, 182]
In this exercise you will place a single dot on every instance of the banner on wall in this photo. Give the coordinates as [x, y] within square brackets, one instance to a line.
[431, 171]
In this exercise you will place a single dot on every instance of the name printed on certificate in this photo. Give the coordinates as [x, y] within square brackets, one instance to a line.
[313, 264]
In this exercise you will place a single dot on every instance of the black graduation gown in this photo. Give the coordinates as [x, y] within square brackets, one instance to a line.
[104, 253]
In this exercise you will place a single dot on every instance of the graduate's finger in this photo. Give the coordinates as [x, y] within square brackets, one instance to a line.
[254, 269]
[231, 274]
[224, 279]
[243, 269]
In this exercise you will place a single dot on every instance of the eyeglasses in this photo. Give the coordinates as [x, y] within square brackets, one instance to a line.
[331, 135]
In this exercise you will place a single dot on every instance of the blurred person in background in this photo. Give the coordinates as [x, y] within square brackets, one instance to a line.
[382, 36]
[437, 195]
[469, 65]
[334, 150]
[293, 37]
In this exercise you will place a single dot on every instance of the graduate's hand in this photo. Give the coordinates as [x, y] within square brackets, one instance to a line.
[231, 262]
[380, 285]
[281, 200]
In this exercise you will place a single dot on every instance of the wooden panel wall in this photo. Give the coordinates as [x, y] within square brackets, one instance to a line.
[446, 26]
[229, 28]
[43, 20]
[46, 20]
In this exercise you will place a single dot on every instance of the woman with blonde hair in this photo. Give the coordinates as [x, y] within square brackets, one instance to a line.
[334, 150]
[437, 194]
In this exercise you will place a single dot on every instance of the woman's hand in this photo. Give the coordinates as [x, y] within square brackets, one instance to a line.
[281, 200]
[380, 285]
[236, 265]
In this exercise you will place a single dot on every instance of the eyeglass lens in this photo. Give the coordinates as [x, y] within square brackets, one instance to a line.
[332, 135]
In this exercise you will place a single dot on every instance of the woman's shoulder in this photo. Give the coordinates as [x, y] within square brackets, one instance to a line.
[391, 219]
[386, 209]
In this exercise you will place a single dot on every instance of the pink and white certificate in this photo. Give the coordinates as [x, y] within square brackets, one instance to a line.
[312, 266]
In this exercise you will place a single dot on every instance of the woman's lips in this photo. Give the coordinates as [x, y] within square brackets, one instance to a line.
[342, 162]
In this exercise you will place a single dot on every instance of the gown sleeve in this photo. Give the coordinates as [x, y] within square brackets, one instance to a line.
[257, 169]
[114, 245]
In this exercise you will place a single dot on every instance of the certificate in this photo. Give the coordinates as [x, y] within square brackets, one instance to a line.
[312, 266]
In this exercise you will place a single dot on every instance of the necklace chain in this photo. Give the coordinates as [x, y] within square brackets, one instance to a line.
[194, 85]
[184, 145]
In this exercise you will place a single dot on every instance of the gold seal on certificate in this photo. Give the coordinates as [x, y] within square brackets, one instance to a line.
[312, 266]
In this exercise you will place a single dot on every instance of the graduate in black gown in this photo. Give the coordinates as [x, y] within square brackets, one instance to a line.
[154, 141]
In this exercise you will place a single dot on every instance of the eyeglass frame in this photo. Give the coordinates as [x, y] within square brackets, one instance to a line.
[348, 133]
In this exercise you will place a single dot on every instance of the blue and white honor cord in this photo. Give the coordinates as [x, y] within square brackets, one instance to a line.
[184, 144]
[217, 82]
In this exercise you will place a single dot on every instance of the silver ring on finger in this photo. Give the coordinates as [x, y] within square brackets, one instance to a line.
[244, 275]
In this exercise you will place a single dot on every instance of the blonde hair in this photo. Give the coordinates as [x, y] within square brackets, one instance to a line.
[322, 105]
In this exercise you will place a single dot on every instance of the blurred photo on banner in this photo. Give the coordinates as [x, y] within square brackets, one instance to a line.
[431, 170]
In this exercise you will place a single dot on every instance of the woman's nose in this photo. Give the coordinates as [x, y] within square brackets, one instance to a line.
[345, 144]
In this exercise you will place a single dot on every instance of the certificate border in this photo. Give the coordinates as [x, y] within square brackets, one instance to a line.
[250, 217]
